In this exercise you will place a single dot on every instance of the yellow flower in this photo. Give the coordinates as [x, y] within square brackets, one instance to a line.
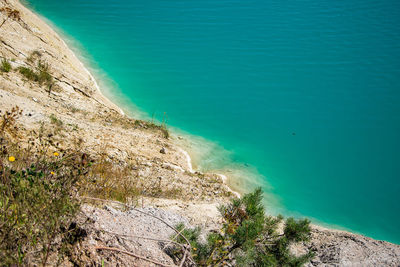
[56, 154]
[194, 249]
[12, 159]
[52, 173]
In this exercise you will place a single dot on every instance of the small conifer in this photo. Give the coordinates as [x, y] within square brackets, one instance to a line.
[248, 237]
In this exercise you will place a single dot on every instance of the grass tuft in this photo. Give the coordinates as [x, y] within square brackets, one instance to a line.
[55, 120]
[5, 66]
[43, 74]
[28, 73]
[40, 73]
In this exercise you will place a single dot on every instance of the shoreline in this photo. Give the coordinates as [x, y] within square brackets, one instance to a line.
[58, 32]
[106, 101]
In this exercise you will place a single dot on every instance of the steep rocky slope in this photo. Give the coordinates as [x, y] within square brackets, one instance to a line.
[76, 109]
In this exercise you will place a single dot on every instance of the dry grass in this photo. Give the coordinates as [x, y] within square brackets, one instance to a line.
[108, 181]
[152, 126]
[10, 14]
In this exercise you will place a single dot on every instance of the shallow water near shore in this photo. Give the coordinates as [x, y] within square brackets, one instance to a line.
[303, 96]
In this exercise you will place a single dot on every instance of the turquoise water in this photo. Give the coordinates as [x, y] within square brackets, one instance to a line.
[306, 94]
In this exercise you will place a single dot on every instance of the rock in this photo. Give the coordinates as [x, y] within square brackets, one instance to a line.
[340, 248]
[163, 151]
[147, 164]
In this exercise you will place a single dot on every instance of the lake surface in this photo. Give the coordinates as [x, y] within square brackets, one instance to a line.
[303, 96]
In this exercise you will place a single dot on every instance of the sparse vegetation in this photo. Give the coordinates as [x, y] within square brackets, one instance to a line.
[34, 56]
[5, 66]
[37, 195]
[152, 126]
[74, 127]
[28, 73]
[248, 237]
[122, 181]
[74, 109]
[110, 182]
[55, 120]
[162, 128]
[41, 75]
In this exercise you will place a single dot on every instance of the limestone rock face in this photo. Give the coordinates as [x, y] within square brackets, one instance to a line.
[341, 248]
[25, 33]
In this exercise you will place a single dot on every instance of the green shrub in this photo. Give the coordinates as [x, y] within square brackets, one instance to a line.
[28, 73]
[248, 237]
[34, 205]
[41, 75]
[5, 66]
